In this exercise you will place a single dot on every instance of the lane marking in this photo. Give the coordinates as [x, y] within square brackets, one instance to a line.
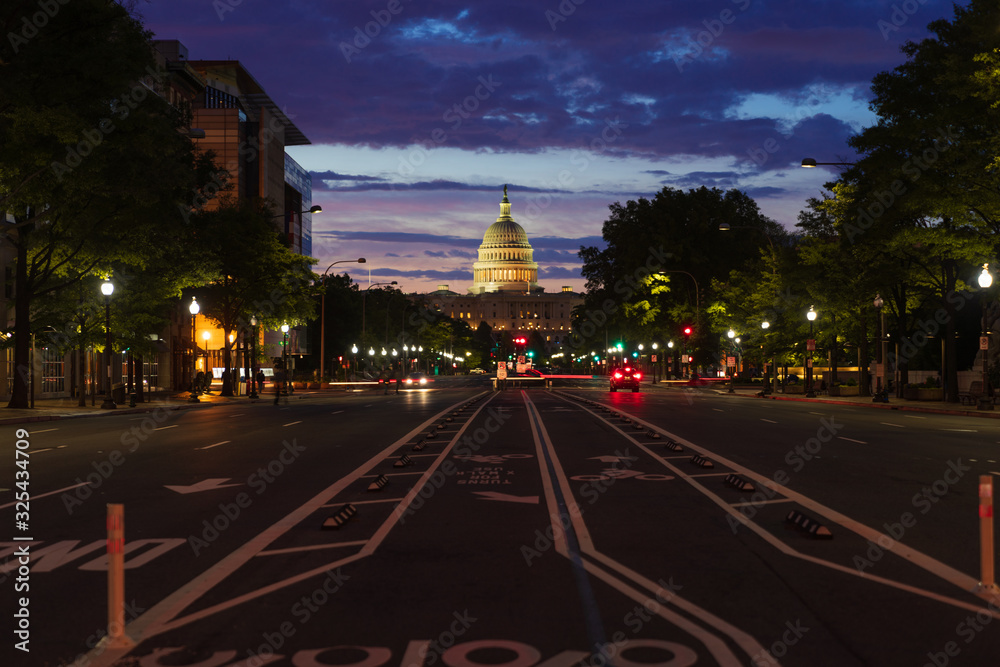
[314, 547]
[768, 420]
[715, 645]
[47, 449]
[718, 409]
[891, 424]
[763, 502]
[224, 442]
[292, 423]
[365, 502]
[44, 430]
[914, 417]
[337, 412]
[960, 430]
[164, 428]
[50, 493]
[860, 442]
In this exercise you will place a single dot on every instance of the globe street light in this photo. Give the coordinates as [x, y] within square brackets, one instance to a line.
[731, 335]
[985, 402]
[765, 325]
[205, 336]
[322, 313]
[810, 344]
[107, 288]
[284, 353]
[194, 308]
[882, 388]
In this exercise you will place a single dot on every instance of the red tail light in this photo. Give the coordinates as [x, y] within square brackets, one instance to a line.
[638, 376]
[618, 375]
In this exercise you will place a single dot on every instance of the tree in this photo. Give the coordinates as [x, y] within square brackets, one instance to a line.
[90, 158]
[252, 274]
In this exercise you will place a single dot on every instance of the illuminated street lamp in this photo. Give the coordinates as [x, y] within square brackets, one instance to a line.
[194, 309]
[985, 402]
[811, 316]
[253, 357]
[205, 336]
[765, 325]
[731, 335]
[284, 353]
[107, 288]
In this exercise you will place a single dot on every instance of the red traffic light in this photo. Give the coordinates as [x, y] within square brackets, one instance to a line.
[521, 341]
[687, 331]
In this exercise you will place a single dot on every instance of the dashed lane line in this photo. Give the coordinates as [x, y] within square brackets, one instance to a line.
[224, 442]
[860, 442]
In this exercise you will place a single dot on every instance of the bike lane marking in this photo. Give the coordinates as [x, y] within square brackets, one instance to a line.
[164, 616]
[967, 583]
[715, 645]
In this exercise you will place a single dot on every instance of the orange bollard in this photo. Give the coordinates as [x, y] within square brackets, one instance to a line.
[986, 579]
[116, 578]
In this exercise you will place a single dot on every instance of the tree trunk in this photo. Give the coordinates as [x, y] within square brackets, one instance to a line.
[22, 325]
[864, 356]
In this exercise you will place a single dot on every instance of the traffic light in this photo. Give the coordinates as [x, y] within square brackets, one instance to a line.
[520, 340]
[688, 331]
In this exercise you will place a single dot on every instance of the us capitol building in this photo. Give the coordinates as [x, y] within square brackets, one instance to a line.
[505, 293]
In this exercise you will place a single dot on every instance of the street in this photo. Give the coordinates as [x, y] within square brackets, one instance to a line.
[465, 527]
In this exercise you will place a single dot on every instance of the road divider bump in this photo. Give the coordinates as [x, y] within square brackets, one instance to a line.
[670, 444]
[653, 434]
[343, 515]
[380, 483]
[638, 427]
[419, 446]
[402, 462]
[739, 482]
[701, 461]
[430, 435]
[808, 525]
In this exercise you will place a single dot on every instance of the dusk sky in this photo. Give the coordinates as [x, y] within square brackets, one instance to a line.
[420, 112]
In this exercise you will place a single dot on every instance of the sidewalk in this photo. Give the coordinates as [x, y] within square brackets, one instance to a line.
[937, 407]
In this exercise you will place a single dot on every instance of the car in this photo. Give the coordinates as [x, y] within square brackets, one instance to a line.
[414, 380]
[477, 371]
[625, 377]
[533, 372]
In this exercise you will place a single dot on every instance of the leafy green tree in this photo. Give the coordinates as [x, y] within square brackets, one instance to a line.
[93, 162]
[252, 274]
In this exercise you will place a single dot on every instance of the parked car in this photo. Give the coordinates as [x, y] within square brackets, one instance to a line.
[477, 371]
[625, 377]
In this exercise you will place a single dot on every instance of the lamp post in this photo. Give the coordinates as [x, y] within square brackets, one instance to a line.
[205, 336]
[107, 288]
[354, 351]
[881, 364]
[732, 373]
[194, 308]
[364, 310]
[322, 313]
[985, 402]
[284, 353]
[765, 325]
[253, 359]
[810, 344]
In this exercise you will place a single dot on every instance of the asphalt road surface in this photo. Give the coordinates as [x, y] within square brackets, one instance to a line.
[464, 527]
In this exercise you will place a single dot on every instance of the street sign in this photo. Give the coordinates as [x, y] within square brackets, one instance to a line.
[502, 371]
[653, 358]
[520, 358]
[731, 362]
[811, 344]
[984, 342]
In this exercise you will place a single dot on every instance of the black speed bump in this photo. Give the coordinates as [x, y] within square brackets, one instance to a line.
[380, 483]
[419, 446]
[653, 434]
[701, 461]
[808, 525]
[670, 444]
[739, 482]
[402, 462]
[343, 515]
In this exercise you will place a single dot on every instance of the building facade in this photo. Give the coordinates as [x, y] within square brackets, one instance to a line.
[505, 293]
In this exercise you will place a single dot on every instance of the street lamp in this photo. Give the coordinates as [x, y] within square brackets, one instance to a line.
[107, 288]
[732, 373]
[205, 336]
[322, 311]
[985, 402]
[354, 351]
[284, 353]
[810, 344]
[194, 308]
[364, 310]
[765, 325]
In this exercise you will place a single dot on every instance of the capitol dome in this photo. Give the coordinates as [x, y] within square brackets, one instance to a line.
[505, 257]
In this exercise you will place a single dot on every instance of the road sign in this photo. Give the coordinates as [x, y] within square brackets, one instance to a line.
[520, 358]
[653, 358]
[731, 362]
[502, 371]
[984, 342]
[811, 344]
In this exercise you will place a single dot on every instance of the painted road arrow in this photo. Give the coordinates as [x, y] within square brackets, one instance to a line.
[506, 497]
[203, 485]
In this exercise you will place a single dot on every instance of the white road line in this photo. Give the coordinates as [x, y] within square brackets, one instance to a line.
[47, 449]
[45, 430]
[709, 474]
[50, 493]
[891, 424]
[860, 442]
[164, 428]
[914, 417]
[292, 423]
[768, 420]
[960, 430]
[224, 442]
[763, 502]
[62, 446]
[314, 547]
[365, 502]
[337, 412]
[239, 415]
[718, 409]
